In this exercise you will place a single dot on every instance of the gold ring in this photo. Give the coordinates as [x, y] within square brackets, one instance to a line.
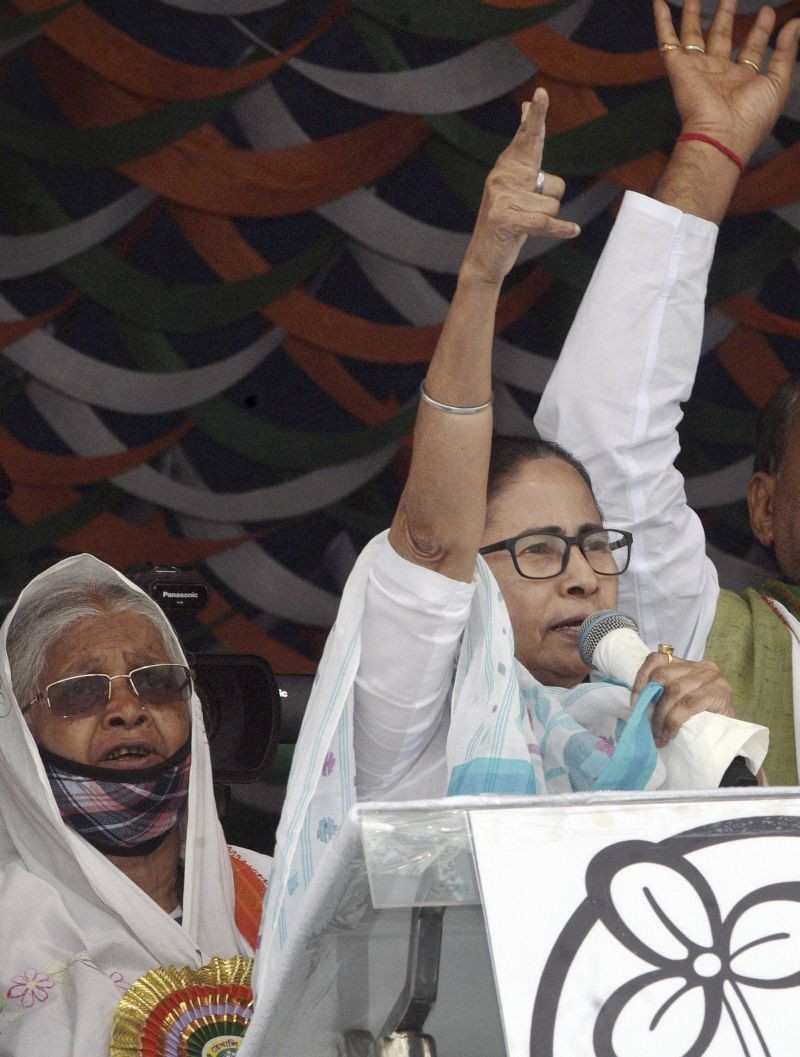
[668, 45]
[667, 650]
[694, 47]
[749, 62]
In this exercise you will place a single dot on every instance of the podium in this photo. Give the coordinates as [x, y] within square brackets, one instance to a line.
[592, 925]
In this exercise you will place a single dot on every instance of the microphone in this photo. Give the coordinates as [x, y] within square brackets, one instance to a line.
[609, 642]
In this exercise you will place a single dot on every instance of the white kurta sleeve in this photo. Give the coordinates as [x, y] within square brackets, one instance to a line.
[614, 401]
[412, 624]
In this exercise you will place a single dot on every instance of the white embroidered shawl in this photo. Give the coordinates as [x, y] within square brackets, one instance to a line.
[74, 930]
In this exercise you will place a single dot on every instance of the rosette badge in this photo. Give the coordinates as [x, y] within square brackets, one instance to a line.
[172, 1012]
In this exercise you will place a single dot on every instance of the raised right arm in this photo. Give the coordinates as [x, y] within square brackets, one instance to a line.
[631, 356]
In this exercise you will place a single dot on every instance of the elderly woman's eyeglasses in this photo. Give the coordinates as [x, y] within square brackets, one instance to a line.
[542, 555]
[86, 695]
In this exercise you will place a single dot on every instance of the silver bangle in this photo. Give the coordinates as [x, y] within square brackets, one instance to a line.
[449, 407]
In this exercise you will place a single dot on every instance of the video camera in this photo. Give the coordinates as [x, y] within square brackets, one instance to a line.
[174, 589]
[240, 697]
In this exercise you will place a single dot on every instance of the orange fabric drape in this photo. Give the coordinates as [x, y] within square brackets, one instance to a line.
[746, 310]
[117, 57]
[249, 888]
[44, 469]
[203, 170]
[737, 354]
[14, 329]
[115, 540]
[219, 243]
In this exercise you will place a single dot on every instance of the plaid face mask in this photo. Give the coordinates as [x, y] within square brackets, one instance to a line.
[120, 812]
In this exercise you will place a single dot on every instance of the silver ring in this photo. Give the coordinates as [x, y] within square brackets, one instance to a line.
[694, 47]
[749, 62]
[538, 187]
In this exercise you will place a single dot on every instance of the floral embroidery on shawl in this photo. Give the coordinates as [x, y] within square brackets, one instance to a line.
[30, 987]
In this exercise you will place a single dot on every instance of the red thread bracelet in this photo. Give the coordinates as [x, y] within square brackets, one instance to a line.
[703, 138]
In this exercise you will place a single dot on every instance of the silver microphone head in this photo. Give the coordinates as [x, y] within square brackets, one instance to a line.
[597, 626]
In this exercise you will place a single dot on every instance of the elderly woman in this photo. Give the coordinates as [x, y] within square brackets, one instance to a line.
[113, 858]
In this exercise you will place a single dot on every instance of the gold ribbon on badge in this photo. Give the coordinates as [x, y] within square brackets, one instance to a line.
[183, 1012]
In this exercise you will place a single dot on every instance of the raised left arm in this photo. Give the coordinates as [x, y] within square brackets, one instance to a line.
[440, 518]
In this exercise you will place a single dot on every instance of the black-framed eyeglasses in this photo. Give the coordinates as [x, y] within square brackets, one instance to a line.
[86, 695]
[542, 555]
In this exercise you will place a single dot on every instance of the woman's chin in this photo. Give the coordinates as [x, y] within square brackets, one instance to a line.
[565, 670]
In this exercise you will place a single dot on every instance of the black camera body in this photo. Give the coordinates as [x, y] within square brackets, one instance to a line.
[175, 589]
[240, 698]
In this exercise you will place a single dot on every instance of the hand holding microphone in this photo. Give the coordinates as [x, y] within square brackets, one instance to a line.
[690, 687]
[609, 642]
[702, 745]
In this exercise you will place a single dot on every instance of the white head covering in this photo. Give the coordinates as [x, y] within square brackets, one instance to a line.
[74, 930]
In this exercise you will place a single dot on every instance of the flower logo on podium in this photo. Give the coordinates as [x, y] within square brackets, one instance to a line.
[691, 964]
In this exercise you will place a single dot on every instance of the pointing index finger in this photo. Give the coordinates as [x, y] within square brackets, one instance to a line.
[528, 143]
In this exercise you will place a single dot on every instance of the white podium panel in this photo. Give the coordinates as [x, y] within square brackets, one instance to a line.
[653, 926]
[619, 924]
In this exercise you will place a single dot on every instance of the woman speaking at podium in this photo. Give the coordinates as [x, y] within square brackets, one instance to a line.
[453, 667]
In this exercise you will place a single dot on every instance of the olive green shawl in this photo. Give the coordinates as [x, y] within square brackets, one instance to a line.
[753, 649]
